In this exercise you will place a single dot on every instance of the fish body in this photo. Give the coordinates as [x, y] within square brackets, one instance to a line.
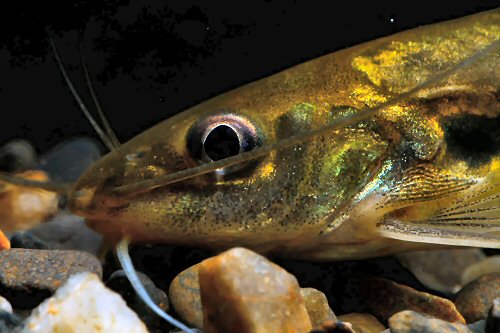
[402, 179]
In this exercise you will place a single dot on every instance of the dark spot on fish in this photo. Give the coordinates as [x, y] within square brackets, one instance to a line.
[475, 139]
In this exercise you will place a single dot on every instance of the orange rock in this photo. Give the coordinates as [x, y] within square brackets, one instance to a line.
[363, 322]
[476, 298]
[184, 295]
[24, 207]
[384, 298]
[244, 292]
[4, 241]
[410, 321]
[317, 306]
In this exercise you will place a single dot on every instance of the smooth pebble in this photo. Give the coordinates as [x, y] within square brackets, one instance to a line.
[440, 269]
[483, 267]
[385, 298]
[119, 283]
[84, 304]
[184, 294]
[413, 322]
[476, 298]
[317, 306]
[244, 292]
[363, 322]
[29, 276]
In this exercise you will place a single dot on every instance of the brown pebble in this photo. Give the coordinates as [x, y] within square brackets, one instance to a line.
[333, 326]
[413, 322]
[385, 298]
[363, 322]
[22, 207]
[317, 306]
[184, 295]
[28, 276]
[244, 292]
[476, 298]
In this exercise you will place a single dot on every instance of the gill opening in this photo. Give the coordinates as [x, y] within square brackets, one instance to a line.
[174, 177]
[128, 268]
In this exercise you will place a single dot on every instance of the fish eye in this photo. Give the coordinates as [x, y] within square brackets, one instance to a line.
[222, 136]
[221, 142]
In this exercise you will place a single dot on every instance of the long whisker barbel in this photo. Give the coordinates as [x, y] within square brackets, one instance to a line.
[102, 135]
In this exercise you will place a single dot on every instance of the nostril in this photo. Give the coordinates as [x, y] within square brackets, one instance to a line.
[82, 198]
[135, 156]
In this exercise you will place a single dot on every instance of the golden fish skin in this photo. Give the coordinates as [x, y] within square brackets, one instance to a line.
[341, 195]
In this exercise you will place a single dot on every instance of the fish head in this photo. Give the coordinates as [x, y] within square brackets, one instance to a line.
[284, 195]
[298, 195]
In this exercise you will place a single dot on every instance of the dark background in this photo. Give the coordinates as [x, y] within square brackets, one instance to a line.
[151, 59]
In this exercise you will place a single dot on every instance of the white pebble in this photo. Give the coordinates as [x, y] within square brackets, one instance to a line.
[5, 305]
[84, 304]
[483, 267]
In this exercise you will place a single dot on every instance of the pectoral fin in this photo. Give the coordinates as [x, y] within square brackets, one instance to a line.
[467, 215]
[425, 233]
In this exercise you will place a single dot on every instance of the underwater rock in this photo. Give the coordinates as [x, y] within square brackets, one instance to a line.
[244, 292]
[29, 276]
[493, 319]
[68, 232]
[363, 322]
[476, 298]
[8, 321]
[317, 306]
[483, 267]
[184, 294]
[413, 322]
[16, 155]
[5, 305]
[333, 326]
[440, 269]
[83, 304]
[385, 298]
[119, 283]
[21, 207]
[68, 160]
[478, 327]
[26, 240]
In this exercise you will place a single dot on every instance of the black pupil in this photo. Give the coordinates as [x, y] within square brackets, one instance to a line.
[221, 142]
